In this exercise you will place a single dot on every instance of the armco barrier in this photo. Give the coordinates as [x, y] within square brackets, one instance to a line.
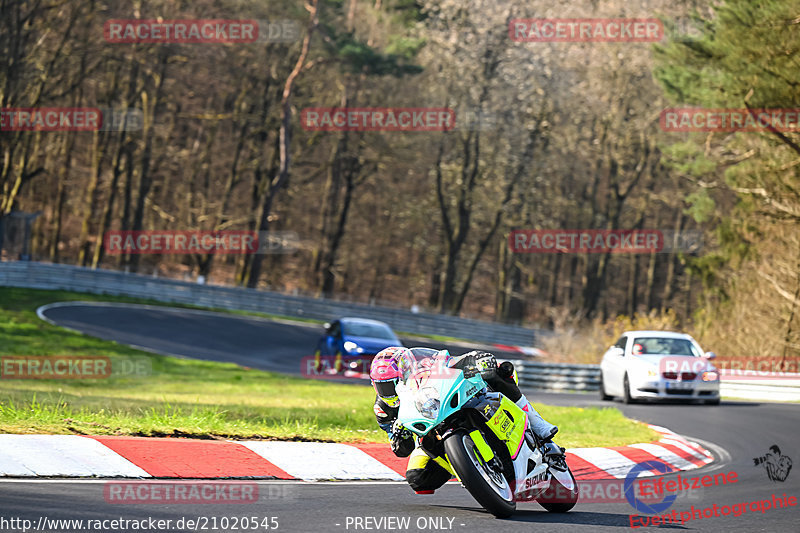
[66, 277]
[558, 376]
[771, 390]
[566, 377]
[532, 375]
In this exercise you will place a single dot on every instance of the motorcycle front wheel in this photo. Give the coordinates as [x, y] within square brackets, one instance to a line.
[486, 483]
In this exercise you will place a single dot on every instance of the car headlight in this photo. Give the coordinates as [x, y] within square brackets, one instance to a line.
[350, 346]
[710, 376]
[427, 402]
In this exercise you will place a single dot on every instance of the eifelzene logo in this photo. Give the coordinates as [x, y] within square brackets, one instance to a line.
[775, 463]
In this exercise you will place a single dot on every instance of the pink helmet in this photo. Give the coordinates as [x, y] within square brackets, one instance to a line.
[390, 365]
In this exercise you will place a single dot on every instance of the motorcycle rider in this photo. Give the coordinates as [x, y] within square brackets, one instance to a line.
[423, 473]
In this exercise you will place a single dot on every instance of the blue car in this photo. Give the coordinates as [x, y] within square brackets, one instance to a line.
[353, 342]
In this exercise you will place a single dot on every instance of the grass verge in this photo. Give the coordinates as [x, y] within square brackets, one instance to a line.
[192, 398]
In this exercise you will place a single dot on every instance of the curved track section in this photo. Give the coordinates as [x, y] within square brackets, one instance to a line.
[245, 340]
[746, 430]
[248, 341]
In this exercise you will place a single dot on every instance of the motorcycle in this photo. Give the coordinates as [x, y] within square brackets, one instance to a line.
[480, 436]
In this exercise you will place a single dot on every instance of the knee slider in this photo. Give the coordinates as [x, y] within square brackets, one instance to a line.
[416, 479]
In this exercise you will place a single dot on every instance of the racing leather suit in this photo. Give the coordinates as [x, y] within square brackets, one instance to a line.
[425, 474]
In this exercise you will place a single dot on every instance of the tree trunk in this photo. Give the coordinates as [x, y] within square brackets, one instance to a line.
[61, 195]
[145, 175]
[671, 266]
[90, 199]
[651, 282]
[284, 141]
[633, 281]
[348, 166]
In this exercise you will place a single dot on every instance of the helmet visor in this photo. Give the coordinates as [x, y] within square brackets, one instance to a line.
[386, 389]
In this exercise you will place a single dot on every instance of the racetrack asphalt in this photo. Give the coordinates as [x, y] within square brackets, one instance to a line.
[736, 432]
[245, 340]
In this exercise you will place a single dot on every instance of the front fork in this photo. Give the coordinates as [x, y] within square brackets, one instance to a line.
[485, 451]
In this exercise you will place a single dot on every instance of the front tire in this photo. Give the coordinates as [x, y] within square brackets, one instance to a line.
[559, 498]
[603, 396]
[490, 488]
[626, 385]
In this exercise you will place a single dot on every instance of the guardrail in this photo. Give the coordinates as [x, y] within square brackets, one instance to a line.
[562, 377]
[777, 391]
[557, 376]
[532, 375]
[67, 277]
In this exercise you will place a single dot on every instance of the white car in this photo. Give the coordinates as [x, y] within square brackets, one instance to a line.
[645, 365]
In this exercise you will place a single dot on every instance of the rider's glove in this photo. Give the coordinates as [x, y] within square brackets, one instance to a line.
[400, 431]
[402, 440]
[477, 362]
[485, 362]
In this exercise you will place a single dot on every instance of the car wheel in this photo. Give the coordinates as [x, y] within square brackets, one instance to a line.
[603, 396]
[627, 398]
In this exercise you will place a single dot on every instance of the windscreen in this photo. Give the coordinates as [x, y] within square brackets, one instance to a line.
[664, 346]
[365, 329]
[428, 364]
[421, 353]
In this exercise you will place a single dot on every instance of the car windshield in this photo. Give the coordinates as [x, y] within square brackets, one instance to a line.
[663, 346]
[366, 329]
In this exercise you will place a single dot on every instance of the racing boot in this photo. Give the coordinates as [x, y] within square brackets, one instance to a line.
[545, 431]
[540, 427]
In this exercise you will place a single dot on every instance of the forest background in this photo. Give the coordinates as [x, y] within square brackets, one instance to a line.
[555, 135]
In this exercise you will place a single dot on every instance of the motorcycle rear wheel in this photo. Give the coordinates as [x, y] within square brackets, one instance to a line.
[559, 498]
[489, 487]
